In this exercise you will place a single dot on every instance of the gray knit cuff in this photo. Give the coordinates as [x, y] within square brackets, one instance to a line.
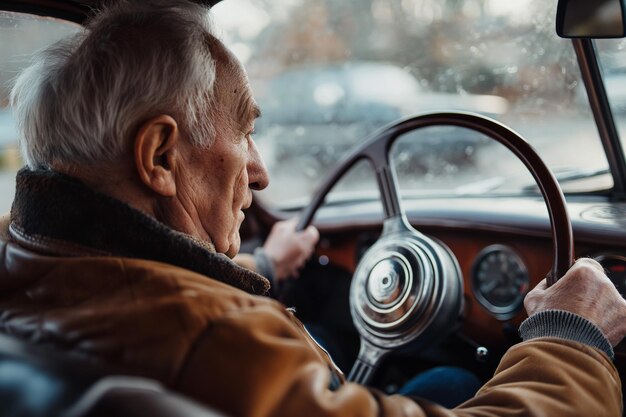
[264, 265]
[565, 325]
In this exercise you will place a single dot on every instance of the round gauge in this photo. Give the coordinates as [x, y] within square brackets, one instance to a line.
[615, 267]
[500, 281]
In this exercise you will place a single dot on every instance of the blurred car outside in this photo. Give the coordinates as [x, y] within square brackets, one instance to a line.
[314, 116]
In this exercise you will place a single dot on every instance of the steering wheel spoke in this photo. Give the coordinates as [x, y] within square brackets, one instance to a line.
[389, 194]
[366, 363]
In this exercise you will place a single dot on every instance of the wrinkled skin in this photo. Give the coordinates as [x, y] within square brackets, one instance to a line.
[211, 186]
[587, 291]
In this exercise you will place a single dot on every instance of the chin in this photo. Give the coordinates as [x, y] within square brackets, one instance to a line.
[233, 249]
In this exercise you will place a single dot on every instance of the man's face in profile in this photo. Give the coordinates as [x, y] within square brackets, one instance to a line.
[217, 182]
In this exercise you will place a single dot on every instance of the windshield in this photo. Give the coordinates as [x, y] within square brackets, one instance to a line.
[20, 36]
[329, 73]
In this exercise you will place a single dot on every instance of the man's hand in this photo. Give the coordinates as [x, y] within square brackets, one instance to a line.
[584, 290]
[287, 249]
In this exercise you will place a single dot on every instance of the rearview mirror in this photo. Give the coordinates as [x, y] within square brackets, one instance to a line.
[590, 19]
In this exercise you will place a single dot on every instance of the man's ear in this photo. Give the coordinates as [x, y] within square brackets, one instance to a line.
[156, 154]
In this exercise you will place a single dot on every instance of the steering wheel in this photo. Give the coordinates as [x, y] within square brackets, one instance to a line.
[407, 290]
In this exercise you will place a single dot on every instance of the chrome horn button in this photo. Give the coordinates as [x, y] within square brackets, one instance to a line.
[394, 287]
[407, 291]
[387, 281]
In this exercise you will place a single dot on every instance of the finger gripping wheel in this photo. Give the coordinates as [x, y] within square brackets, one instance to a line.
[407, 290]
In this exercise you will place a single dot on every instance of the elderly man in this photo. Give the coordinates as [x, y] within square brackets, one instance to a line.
[137, 136]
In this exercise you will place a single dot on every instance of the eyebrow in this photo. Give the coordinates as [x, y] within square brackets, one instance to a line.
[248, 110]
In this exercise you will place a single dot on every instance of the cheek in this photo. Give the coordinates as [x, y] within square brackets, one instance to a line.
[240, 188]
[234, 239]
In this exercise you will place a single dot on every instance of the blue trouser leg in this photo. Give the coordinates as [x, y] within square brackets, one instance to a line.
[445, 385]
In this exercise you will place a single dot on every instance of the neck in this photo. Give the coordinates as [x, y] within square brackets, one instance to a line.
[183, 218]
[60, 215]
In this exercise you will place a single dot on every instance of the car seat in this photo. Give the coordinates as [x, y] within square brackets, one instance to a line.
[38, 382]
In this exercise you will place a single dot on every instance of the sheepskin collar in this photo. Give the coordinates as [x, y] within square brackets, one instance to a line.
[57, 214]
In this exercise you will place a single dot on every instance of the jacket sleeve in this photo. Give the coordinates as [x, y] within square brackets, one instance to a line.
[258, 362]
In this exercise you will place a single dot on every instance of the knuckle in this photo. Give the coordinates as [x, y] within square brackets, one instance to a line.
[529, 304]
[583, 271]
[530, 300]
[589, 265]
[589, 261]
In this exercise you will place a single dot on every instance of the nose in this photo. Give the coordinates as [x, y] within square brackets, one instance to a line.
[258, 177]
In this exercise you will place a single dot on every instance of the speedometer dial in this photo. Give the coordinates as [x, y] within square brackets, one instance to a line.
[500, 281]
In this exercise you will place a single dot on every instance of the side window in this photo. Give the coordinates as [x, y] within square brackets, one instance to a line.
[20, 36]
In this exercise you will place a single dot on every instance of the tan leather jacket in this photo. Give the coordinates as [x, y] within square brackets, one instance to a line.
[240, 353]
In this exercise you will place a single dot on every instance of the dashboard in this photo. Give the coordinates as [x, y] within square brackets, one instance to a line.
[503, 246]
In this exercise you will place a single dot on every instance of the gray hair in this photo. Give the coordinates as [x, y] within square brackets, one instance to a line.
[83, 98]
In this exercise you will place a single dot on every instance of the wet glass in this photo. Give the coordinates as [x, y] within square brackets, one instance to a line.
[327, 74]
